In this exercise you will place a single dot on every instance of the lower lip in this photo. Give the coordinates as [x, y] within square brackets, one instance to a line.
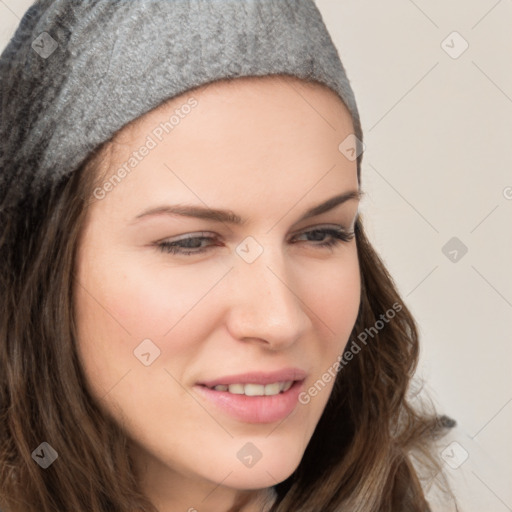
[254, 409]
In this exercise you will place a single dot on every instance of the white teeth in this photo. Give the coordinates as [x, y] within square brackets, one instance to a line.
[287, 385]
[237, 389]
[272, 389]
[256, 389]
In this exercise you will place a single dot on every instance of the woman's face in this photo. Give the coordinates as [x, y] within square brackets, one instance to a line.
[251, 302]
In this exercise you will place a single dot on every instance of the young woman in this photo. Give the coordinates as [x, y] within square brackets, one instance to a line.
[192, 316]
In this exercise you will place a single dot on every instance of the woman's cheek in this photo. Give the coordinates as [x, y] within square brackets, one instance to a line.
[146, 294]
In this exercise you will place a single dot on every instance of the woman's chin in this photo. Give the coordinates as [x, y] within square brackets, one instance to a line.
[246, 480]
[263, 474]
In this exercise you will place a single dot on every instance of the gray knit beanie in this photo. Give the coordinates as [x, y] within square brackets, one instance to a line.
[76, 72]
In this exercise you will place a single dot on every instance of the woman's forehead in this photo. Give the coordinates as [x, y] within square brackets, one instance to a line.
[239, 113]
[256, 134]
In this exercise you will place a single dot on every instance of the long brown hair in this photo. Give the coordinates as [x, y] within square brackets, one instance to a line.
[368, 451]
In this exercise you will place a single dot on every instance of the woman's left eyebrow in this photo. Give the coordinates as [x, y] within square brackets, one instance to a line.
[228, 216]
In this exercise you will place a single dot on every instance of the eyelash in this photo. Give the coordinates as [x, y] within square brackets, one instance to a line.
[338, 236]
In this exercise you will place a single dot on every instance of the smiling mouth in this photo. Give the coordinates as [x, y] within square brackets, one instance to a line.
[272, 389]
[248, 401]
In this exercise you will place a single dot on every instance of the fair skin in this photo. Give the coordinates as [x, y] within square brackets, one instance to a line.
[266, 150]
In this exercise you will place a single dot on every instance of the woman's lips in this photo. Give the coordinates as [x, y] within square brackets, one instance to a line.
[254, 409]
[283, 375]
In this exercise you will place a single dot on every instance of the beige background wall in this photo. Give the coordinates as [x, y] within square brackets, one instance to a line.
[437, 118]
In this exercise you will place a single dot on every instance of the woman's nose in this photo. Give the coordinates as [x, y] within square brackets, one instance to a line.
[265, 301]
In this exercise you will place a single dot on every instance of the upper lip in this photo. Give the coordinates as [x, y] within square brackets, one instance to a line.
[258, 377]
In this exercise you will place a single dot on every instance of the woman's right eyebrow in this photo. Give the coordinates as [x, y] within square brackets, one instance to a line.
[228, 216]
